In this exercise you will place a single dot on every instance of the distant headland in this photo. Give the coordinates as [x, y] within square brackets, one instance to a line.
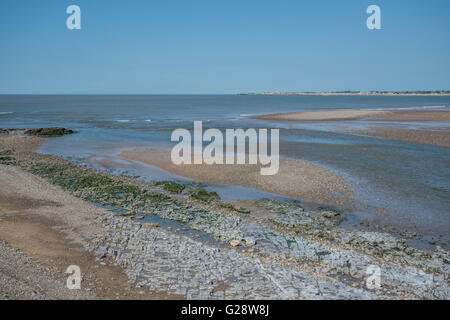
[353, 93]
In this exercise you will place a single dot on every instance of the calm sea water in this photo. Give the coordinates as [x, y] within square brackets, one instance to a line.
[398, 183]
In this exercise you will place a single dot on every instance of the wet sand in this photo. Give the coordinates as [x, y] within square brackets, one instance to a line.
[325, 115]
[413, 116]
[435, 137]
[374, 115]
[297, 179]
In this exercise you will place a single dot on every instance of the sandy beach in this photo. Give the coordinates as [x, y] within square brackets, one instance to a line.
[295, 178]
[326, 115]
[413, 116]
[374, 115]
[435, 136]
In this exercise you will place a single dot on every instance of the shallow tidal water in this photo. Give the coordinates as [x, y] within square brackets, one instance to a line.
[398, 184]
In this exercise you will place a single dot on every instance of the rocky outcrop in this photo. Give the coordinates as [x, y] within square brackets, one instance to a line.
[39, 132]
[48, 132]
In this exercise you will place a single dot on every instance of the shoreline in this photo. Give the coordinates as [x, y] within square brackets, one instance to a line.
[276, 247]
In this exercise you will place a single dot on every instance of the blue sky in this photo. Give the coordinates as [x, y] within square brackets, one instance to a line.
[175, 47]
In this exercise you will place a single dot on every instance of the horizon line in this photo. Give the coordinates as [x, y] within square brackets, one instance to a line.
[339, 92]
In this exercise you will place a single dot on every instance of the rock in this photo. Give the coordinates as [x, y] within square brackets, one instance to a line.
[48, 132]
[329, 214]
[101, 253]
[151, 225]
[250, 241]
[234, 243]
[5, 152]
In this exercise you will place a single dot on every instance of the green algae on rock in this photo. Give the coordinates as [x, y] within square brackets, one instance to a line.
[203, 195]
[39, 132]
[48, 132]
[170, 186]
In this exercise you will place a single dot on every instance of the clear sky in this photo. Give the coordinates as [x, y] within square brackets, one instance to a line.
[222, 46]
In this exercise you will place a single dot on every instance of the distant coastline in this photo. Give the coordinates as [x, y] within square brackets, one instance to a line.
[353, 93]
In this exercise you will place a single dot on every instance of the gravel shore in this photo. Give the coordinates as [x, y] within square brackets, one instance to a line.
[23, 278]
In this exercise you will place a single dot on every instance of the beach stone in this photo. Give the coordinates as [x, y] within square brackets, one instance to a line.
[234, 243]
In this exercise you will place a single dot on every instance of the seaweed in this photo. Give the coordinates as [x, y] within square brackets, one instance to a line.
[203, 195]
[170, 186]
